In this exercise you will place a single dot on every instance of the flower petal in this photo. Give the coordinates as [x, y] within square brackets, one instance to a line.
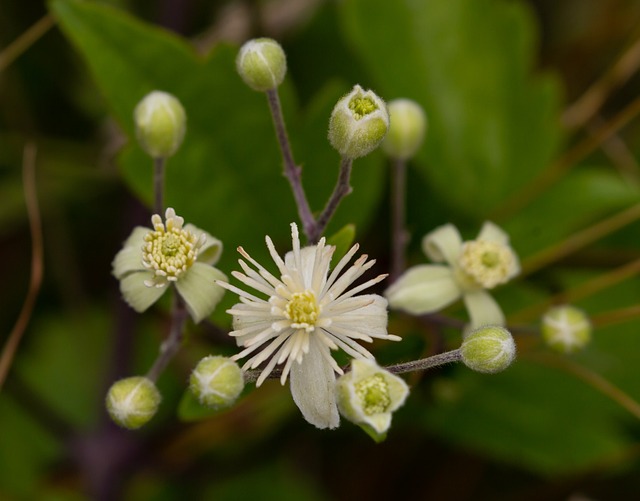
[210, 252]
[443, 244]
[313, 388]
[366, 314]
[136, 293]
[199, 290]
[129, 259]
[483, 309]
[493, 233]
[424, 289]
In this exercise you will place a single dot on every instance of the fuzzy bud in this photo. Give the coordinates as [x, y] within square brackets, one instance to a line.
[488, 349]
[216, 382]
[566, 328]
[368, 394]
[262, 64]
[133, 401]
[407, 129]
[160, 124]
[358, 123]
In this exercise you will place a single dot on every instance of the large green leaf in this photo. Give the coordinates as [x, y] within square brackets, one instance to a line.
[226, 177]
[467, 62]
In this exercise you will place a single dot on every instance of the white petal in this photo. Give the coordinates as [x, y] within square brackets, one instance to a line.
[307, 261]
[443, 244]
[129, 259]
[313, 388]
[483, 309]
[493, 233]
[210, 252]
[138, 295]
[366, 314]
[424, 289]
[199, 290]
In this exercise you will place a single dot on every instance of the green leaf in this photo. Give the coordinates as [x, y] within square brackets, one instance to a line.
[343, 240]
[492, 126]
[226, 178]
[189, 409]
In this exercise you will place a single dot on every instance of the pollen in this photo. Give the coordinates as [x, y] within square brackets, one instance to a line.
[487, 264]
[362, 106]
[169, 250]
[303, 310]
[373, 393]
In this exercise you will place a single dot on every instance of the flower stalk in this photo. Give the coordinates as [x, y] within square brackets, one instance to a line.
[170, 347]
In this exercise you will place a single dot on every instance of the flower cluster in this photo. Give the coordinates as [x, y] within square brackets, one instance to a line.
[306, 314]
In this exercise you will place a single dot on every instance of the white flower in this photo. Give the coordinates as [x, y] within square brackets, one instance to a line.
[307, 314]
[473, 267]
[170, 253]
[369, 394]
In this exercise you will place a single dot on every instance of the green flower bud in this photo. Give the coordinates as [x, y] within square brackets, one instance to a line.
[262, 64]
[407, 130]
[566, 328]
[369, 394]
[160, 124]
[488, 349]
[133, 401]
[216, 382]
[358, 123]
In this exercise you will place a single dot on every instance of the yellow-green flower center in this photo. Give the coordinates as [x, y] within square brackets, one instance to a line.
[486, 264]
[362, 106]
[303, 310]
[373, 393]
[169, 251]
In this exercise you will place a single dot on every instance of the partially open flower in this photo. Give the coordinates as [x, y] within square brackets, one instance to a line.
[308, 312]
[369, 394]
[566, 328]
[472, 267]
[358, 123]
[170, 254]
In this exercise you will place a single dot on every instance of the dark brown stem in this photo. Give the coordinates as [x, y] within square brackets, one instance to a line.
[399, 236]
[342, 189]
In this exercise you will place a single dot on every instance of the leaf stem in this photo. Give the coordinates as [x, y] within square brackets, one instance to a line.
[20, 45]
[158, 184]
[291, 171]
[399, 235]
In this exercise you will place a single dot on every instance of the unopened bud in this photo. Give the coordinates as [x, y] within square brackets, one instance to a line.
[407, 129]
[368, 394]
[358, 123]
[133, 401]
[216, 382]
[160, 124]
[262, 64]
[488, 349]
[566, 328]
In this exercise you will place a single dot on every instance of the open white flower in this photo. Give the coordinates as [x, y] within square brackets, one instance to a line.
[150, 260]
[472, 267]
[307, 314]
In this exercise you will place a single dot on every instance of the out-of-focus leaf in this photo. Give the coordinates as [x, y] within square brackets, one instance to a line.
[189, 409]
[342, 239]
[492, 126]
[226, 176]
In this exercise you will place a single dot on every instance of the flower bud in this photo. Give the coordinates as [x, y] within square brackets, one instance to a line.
[133, 401]
[566, 328]
[216, 382]
[160, 124]
[262, 64]
[488, 349]
[407, 129]
[358, 123]
[368, 394]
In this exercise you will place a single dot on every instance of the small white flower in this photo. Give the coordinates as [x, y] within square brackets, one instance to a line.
[369, 394]
[307, 314]
[472, 267]
[170, 253]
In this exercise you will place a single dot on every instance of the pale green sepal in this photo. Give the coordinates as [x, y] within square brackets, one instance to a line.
[136, 293]
[210, 252]
[342, 240]
[198, 289]
[493, 233]
[313, 387]
[424, 289]
[483, 309]
[378, 438]
[129, 259]
[443, 244]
